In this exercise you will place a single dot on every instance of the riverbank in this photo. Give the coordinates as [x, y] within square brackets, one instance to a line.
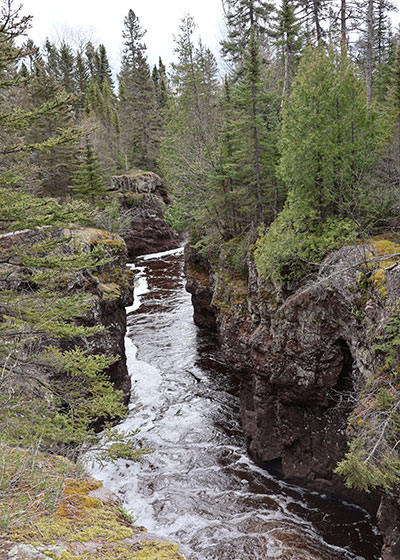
[68, 515]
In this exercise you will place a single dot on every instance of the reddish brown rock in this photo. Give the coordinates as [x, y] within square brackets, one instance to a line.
[143, 198]
[301, 356]
[389, 524]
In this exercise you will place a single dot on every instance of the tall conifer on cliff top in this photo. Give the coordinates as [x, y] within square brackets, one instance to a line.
[140, 135]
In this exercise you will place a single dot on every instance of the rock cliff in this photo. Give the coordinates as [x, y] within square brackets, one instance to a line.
[306, 354]
[143, 197]
[104, 291]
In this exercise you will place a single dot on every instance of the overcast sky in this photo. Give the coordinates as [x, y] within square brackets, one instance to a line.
[53, 18]
[159, 17]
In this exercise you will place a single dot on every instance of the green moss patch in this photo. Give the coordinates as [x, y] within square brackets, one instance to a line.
[85, 528]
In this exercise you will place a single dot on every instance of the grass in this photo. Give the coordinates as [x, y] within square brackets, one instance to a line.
[31, 484]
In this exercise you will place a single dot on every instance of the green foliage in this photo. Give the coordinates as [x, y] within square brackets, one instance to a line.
[373, 458]
[88, 181]
[360, 472]
[234, 253]
[389, 342]
[138, 108]
[20, 210]
[329, 141]
[48, 290]
[298, 240]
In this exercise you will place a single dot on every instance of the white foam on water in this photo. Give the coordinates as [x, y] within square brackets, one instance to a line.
[153, 256]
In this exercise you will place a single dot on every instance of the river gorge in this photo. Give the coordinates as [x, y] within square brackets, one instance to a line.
[198, 487]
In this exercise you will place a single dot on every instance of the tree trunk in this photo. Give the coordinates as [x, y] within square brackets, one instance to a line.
[343, 26]
[370, 36]
[260, 205]
[317, 22]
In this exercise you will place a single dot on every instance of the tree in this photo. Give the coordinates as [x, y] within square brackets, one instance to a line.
[330, 141]
[66, 68]
[88, 181]
[313, 13]
[53, 166]
[140, 136]
[190, 152]
[246, 22]
[159, 76]
[288, 41]
[244, 18]
[19, 115]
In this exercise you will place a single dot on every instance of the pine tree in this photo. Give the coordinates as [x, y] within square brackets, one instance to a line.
[314, 13]
[17, 122]
[160, 80]
[289, 42]
[256, 123]
[53, 166]
[162, 92]
[88, 181]
[52, 58]
[189, 154]
[244, 18]
[140, 136]
[81, 76]
[66, 67]
[104, 73]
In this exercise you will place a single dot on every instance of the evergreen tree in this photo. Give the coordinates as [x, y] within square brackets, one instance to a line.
[162, 91]
[160, 80]
[66, 68]
[92, 60]
[52, 58]
[18, 121]
[81, 75]
[140, 136]
[192, 125]
[53, 166]
[330, 141]
[101, 124]
[88, 181]
[289, 42]
[314, 13]
[244, 18]
[254, 132]
[104, 73]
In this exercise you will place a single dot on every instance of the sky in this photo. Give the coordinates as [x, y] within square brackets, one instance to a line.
[56, 18]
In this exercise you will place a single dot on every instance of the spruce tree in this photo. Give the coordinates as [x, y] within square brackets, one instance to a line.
[244, 18]
[140, 135]
[66, 67]
[254, 132]
[289, 42]
[53, 166]
[88, 180]
[189, 156]
[21, 116]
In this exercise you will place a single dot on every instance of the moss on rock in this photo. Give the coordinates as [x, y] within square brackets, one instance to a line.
[83, 527]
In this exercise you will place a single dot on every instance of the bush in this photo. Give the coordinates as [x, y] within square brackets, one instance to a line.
[297, 242]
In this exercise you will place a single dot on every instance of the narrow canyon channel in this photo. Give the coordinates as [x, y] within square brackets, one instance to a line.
[198, 487]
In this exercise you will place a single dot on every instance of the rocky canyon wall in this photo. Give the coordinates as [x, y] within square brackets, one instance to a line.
[305, 353]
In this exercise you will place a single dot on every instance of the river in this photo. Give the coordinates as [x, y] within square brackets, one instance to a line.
[198, 487]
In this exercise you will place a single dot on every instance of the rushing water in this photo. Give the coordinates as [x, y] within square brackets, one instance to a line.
[198, 487]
